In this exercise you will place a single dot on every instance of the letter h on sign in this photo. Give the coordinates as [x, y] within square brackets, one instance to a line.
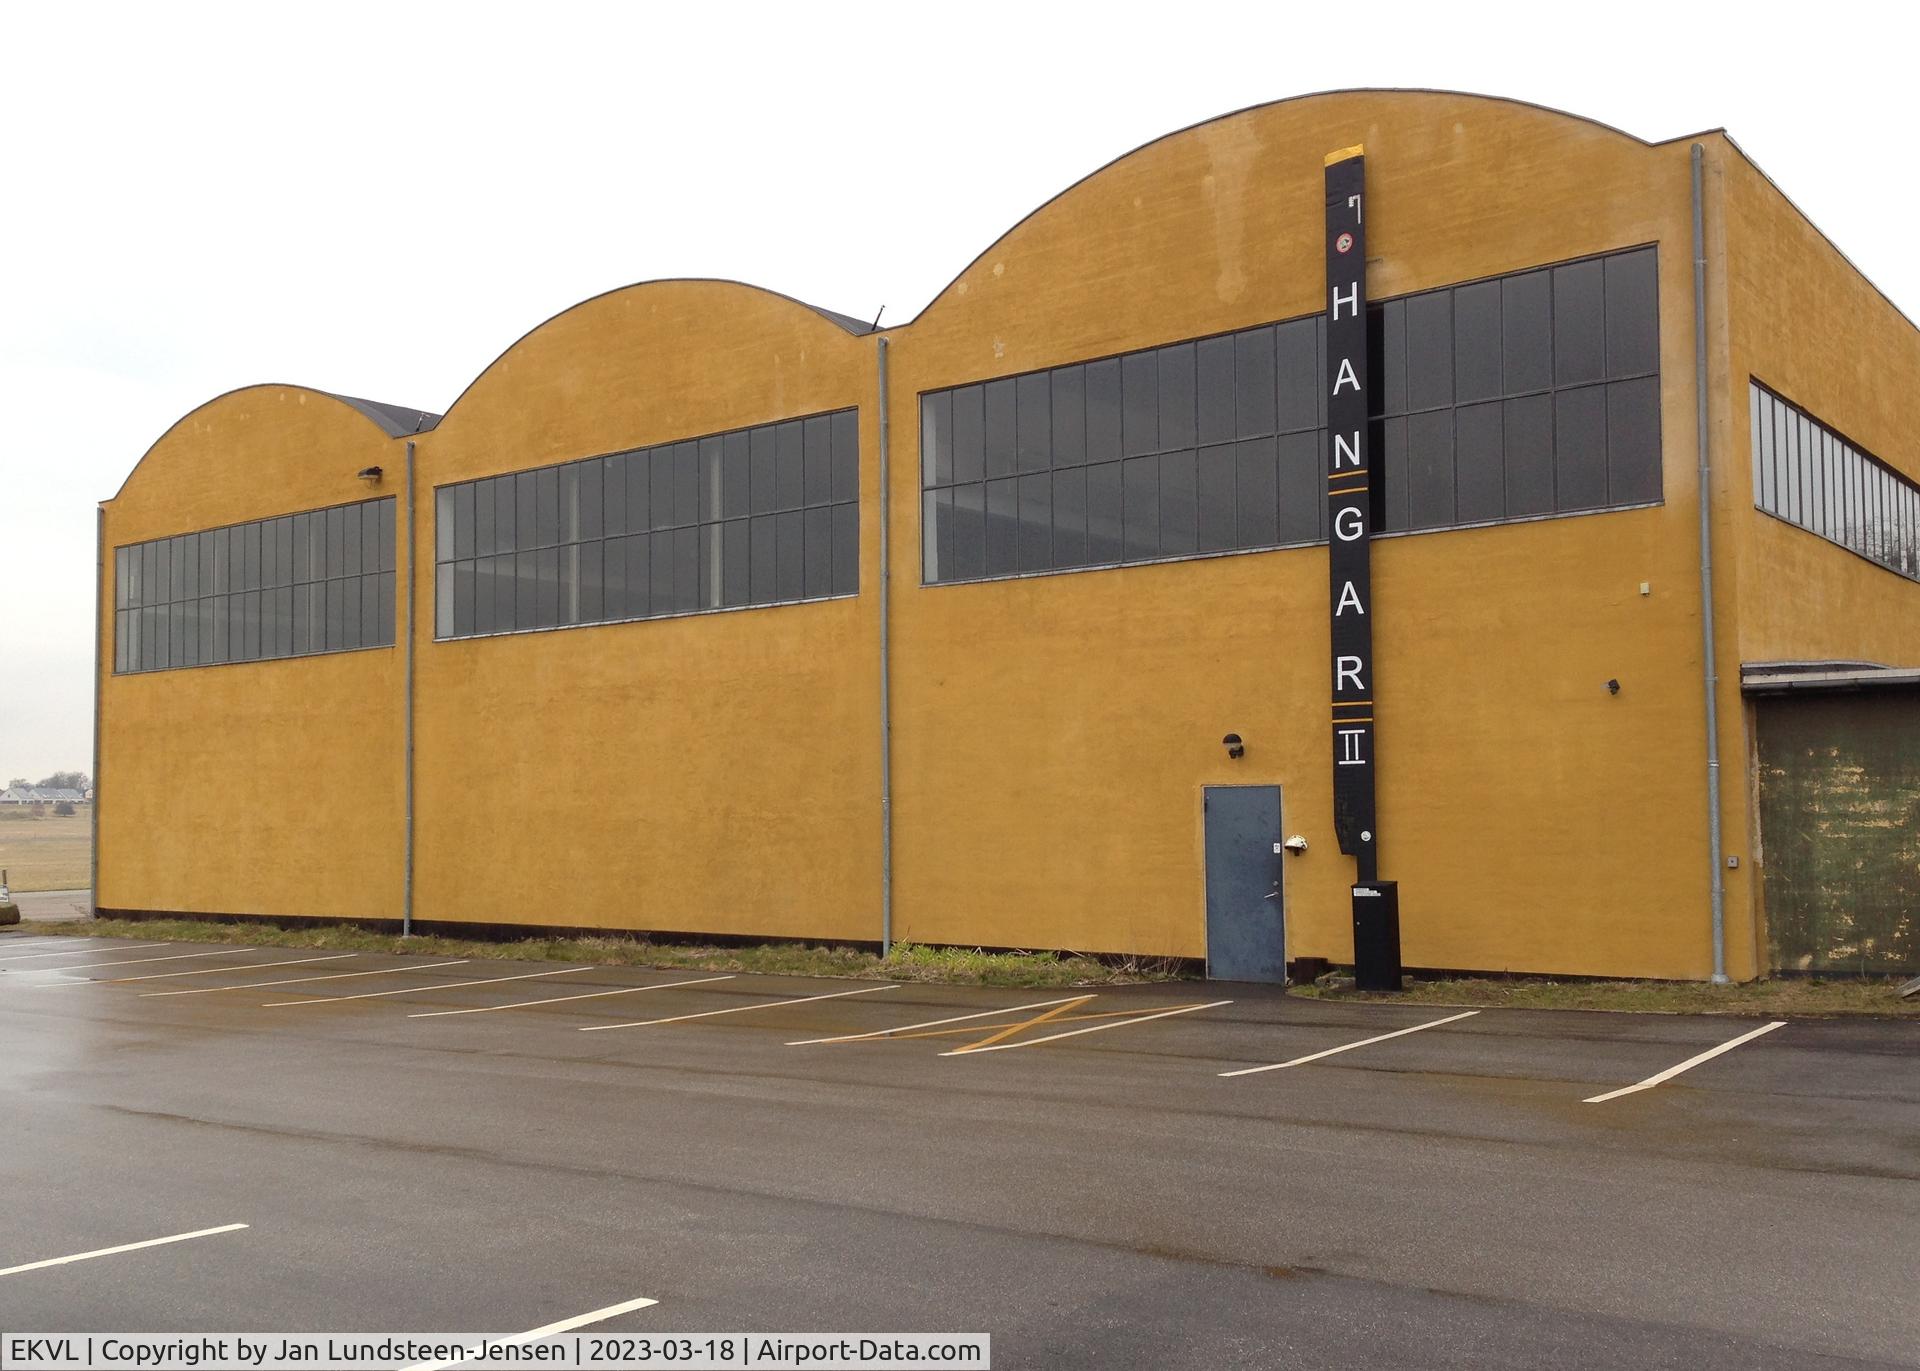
[1350, 511]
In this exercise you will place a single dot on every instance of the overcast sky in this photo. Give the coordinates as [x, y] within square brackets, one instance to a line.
[377, 200]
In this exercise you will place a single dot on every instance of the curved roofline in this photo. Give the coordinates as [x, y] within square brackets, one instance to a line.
[1061, 194]
[845, 322]
[381, 416]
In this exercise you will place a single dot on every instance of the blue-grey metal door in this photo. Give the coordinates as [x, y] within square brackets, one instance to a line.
[1246, 926]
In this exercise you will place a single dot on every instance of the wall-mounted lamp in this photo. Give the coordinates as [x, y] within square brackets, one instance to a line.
[371, 475]
[1296, 844]
[1235, 748]
[1613, 687]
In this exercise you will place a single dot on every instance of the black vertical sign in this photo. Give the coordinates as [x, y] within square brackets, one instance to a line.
[1350, 510]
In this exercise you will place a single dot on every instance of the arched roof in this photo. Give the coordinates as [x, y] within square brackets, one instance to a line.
[393, 421]
[1394, 92]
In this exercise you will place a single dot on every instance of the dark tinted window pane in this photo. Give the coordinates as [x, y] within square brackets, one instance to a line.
[969, 532]
[686, 484]
[1179, 504]
[936, 536]
[846, 455]
[1140, 496]
[846, 549]
[969, 433]
[1526, 331]
[526, 590]
[760, 466]
[1176, 395]
[464, 520]
[790, 466]
[734, 483]
[1140, 402]
[1214, 495]
[761, 563]
[444, 522]
[460, 585]
[1214, 389]
[1430, 350]
[547, 595]
[1033, 539]
[1000, 411]
[660, 573]
[384, 592]
[736, 586]
[1003, 512]
[1633, 315]
[1387, 359]
[936, 439]
[1257, 497]
[1033, 422]
[790, 582]
[1633, 441]
[1579, 351]
[506, 535]
[1476, 341]
[1297, 360]
[686, 569]
[818, 441]
[1479, 462]
[1068, 405]
[1430, 470]
[1389, 475]
[1302, 488]
[1103, 513]
[1253, 381]
[1103, 410]
[1580, 448]
[1070, 517]
[819, 535]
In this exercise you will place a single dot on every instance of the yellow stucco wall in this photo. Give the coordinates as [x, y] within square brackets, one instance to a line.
[255, 787]
[1806, 323]
[710, 773]
[1052, 735]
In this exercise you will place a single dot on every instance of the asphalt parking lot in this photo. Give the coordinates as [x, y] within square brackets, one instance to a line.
[1180, 1175]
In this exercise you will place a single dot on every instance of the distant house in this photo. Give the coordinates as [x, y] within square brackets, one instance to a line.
[35, 795]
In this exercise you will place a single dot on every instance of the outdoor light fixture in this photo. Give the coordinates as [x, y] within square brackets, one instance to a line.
[1235, 748]
[371, 475]
[1613, 687]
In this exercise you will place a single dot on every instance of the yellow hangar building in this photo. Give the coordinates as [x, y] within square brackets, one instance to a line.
[705, 611]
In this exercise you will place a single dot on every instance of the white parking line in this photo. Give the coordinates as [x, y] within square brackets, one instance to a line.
[534, 1335]
[124, 1247]
[205, 971]
[30, 942]
[1348, 1047]
[1076, 1032]
[299, 980]
[933, 1023]
[142, 961]
[420, 989]
[86, 947]
[737, 1009]
[561, 999]
[1688, 1065]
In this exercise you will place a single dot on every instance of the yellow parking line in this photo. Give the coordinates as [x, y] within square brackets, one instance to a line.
[1025, 1024]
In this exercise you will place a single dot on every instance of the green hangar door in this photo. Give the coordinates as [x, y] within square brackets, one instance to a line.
[1840, 829]
[1246, 926]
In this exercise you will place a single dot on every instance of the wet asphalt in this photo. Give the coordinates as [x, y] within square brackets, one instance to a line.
[1444, 1198]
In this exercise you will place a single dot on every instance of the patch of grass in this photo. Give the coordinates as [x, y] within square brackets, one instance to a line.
[909, 962]
[46, 851]
[1800, 997]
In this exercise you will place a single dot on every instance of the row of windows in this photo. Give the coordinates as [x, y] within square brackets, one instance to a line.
[1525, 395]
[1809, 475]
[338, 615]
[322, 581]
[757, 516]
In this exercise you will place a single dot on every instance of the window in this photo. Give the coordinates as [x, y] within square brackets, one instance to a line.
[248, 592]
[758, 516]
[1521, 396]
[1810, 476]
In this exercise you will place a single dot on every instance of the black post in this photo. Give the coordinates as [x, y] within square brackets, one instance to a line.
[1349, 571]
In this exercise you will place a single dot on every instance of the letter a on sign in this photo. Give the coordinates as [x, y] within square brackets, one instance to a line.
[1350, 481]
